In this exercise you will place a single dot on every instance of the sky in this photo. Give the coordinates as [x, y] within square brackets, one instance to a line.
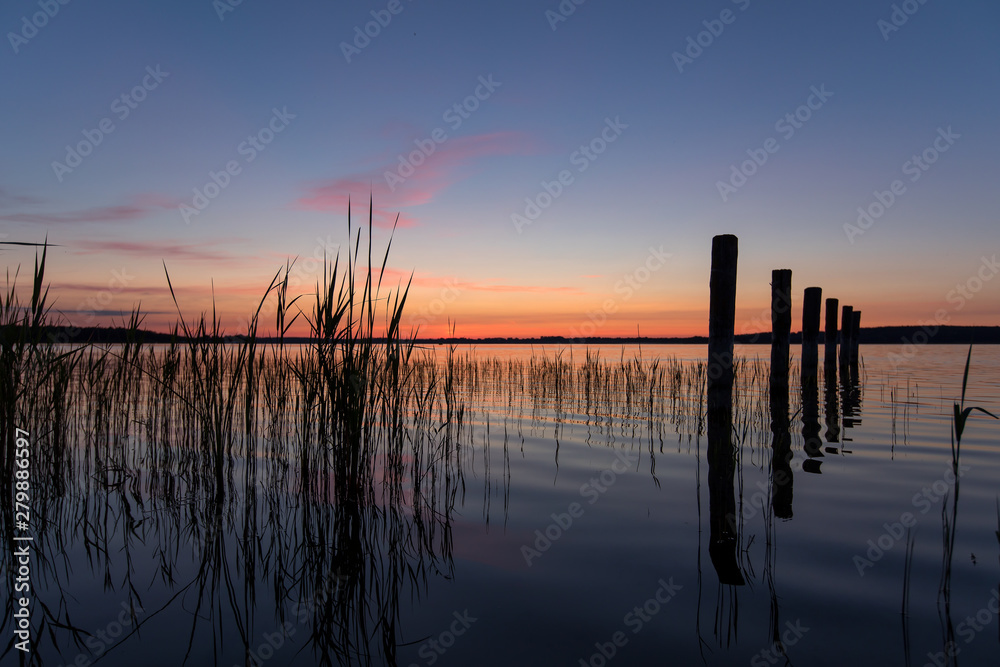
[551, 168]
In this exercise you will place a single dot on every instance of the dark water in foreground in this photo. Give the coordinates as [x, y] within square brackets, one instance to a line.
[576, 532]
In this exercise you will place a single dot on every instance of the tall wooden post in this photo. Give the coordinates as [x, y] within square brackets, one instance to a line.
[812, 301]
[722, 317]
[723, 520]
[846, 327]
[830, 354]
[855, 335]
[781, 454]
[781, 323]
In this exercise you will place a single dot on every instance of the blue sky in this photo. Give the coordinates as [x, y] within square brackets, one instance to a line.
[223, 76]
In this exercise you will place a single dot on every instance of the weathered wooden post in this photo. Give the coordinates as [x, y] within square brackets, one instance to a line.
[832, 311]
[830, 355]
[781, 324]
[850, 394]
[781, 454]
[723, 520]
[812, 301]
[846, 326]
[855, 336]
[722, 318]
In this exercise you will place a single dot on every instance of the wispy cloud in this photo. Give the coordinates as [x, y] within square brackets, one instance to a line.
[115, 313]
[7, 199]
[58, 288]
[451, 162]
[532, 289]
[199, 288]
[137, 208]
[155, 249]
[335, 195]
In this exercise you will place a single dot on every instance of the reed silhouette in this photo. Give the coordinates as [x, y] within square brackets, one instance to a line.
[249, 488]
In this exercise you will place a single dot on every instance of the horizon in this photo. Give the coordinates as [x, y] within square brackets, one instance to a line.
[570, 187]
[68, 333]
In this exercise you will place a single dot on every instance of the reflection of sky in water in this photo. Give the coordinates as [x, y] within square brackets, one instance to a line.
[580, 590]
[631, 527]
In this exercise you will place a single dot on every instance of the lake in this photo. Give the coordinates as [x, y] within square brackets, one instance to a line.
[540, 506]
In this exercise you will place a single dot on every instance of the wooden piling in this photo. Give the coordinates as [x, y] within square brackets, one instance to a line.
[781, 324]
[846, 326]
[781, 455]
[855, 335]
[723, 519]
[830, 355]
[812, 443]
[722, 317]
[812, 300]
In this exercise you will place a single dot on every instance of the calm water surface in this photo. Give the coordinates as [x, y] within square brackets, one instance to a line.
[815, 576]
[579, 534]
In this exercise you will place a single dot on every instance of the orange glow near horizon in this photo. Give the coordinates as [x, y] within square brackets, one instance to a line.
[585, 306]
[507, 315]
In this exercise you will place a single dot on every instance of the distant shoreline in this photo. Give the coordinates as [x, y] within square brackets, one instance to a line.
[920, 335]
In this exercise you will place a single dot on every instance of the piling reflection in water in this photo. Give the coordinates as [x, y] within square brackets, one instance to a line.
[782, 479]
[812, 442]
[850, 398]
[832, 406]
[722, 497]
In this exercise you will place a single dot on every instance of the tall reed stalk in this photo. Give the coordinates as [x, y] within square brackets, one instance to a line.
[950, 523]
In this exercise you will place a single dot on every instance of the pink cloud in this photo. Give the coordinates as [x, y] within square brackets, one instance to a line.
[140, 206]
[159, 249]
[335, 196]
[403, 182]
[535, 289]
[186, 288]
[58, 288]
[7, 199]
